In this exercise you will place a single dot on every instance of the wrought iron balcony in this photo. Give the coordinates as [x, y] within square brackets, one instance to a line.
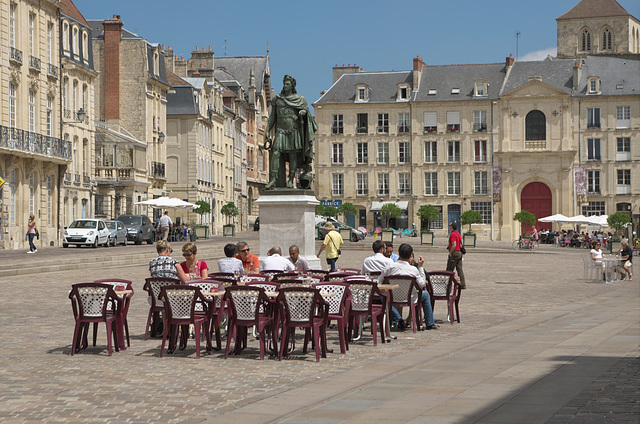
[34, 63]
[67, 177]
[77, 178]
[404, 129]
[157, 169]
[86, 179]
[453, 127]
[430, 128]
[16, 55]
[53, 71]
[26, 141]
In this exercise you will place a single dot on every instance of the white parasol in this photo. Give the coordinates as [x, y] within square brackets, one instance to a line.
[167, 202]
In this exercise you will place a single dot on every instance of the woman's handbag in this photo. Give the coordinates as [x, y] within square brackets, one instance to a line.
[37, 234]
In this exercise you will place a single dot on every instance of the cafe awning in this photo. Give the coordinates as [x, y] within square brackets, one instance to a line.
[376, 206]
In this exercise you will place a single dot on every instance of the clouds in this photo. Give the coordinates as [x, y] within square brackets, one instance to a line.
[539, 55]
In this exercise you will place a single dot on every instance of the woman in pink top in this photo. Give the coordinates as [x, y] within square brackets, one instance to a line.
[192, 268]
[31, 233]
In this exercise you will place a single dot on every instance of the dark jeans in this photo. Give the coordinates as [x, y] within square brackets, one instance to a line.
[455, 262]
[332, 264]
[32, 247]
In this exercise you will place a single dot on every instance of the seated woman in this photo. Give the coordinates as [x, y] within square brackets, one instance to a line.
[163, 265]
[192, 268]
[596, 256]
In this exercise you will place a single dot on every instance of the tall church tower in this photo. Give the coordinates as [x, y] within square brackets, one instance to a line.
[597, 27]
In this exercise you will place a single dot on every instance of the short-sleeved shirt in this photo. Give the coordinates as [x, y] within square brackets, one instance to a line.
[333, 241]
[301, 264]
[231, 265]
[163, 266]
[597, 254]
[252, 263]
[455, 236]
[276, 261]
[627, 251]
[200, 266]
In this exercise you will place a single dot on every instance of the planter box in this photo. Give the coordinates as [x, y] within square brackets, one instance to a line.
[346, 234]
[387, 235]
[229, 230]
[426, 237]
[469, 240]
[202, 231]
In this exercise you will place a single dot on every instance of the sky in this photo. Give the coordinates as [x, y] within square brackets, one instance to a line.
[307, 38]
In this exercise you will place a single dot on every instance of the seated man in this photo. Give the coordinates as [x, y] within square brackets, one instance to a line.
[250, 262]
[300, 263]
[275, 261]
[388, 251]
[404, 266]
[230, 264]
[378, 261]
[626, 254]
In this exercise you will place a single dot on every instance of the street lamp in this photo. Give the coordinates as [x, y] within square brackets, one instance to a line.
[80, 115]
[161, 137]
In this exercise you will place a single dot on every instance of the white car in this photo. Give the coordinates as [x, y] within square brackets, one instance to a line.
[87, 232]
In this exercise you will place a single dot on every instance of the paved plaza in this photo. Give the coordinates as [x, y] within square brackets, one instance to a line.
[535, 344]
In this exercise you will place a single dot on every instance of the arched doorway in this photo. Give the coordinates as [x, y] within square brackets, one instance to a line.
[536, 198]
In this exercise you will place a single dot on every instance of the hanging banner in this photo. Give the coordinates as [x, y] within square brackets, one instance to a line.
[582, 187]
[497, 184]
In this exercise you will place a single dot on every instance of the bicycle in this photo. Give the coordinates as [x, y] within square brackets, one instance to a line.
[525, 243]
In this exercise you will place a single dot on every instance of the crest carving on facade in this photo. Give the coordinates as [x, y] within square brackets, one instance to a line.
[34, 83]
[52, 89]
[16, 76]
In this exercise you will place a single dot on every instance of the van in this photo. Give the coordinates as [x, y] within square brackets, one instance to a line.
[139, 228]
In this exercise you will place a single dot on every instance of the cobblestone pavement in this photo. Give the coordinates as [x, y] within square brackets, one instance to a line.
[41, 382]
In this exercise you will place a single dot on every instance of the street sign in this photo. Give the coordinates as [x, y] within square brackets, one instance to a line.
[1, 182]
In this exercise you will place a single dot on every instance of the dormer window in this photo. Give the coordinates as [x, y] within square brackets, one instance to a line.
[455, 91]
[362, 93]
[432, 92]
[594, 85]
[480, 89]
[403, 92]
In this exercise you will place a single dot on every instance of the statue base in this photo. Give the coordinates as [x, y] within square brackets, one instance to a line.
[287, 217]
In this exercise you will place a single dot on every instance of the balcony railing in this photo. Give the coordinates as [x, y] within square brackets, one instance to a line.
[67, 177]
[16, 55]
[157, 169]
[34, 63]
[535, 145]
[86, 179]
[480, 127]
[361, 130]
[430, 129]
[404, 129]
[77, 178]
[453, 127]
[383, 129]
[114, 174]
[53, 71]
[34, 143]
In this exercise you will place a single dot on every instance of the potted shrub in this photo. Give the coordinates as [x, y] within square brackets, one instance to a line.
[524, 218]
[388, 211]
[467, 218]
[230, 210]
[344, 210]
[617, 221]
[428, 214]
[202, 231]
[320, 210]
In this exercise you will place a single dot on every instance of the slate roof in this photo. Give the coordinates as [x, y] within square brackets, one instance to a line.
[446, 77]
[197, 83]
[612, 72]
[382, 87]
[241, 66]
[98, 31]
[595, 9]
[556, 73]
[70, 9]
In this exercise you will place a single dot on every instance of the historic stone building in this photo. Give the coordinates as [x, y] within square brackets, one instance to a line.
[130, 108]
[33, 156]
[496, 138]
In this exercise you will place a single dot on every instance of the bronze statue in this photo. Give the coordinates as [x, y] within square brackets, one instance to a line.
[295, 130]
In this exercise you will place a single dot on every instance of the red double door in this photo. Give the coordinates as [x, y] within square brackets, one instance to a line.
[536, 198]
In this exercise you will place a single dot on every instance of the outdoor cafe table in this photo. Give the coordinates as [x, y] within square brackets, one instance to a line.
[611, 263]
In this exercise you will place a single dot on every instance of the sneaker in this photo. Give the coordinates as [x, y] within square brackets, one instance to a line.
[35, 251]
[29, 251]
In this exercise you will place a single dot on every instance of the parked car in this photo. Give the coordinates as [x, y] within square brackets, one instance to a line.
[118, 232]
[356, 235]
[87, 232]
[139, 228]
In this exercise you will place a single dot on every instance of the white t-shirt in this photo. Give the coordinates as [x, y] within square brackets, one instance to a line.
[597, 254]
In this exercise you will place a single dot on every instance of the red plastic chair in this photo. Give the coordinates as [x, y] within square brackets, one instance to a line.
[293, 282]
[214, 323]
[362, 294]
[250, 278]
[180, 302]
[271, 272]
[339, 276]
[89, 303]
[351, 270]
[442, 285]
[153, 286]
[245, 303]
[285, 276]
[303, 307]
[408, 294]
[317, 273]
[339, 306]
[222, 274]
[126, 301]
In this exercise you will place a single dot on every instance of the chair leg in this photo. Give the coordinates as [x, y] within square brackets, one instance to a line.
[341, 336]
[75, 345]
[109, 326]
[95, 332]
[197, 334]
[126, 332]
[164, 340]
[457, 311]
[283, 341]
[146, 330]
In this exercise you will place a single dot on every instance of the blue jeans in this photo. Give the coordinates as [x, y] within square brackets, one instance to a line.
[32, 247]
[426, 309]
[332, 264]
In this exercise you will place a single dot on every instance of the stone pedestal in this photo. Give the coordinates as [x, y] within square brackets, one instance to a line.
[287, 217]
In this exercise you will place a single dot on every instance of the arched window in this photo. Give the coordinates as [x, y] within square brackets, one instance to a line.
[536, 126]
[586, 41]
[606, 40]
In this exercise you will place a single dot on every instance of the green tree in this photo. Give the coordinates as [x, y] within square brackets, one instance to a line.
[320, 209]
[618, 220]
[524, 218]
[388, 211]
[330, 211]
[471, 217]
[203, 207]
[428, 214]
[229, 210]
[347, 209]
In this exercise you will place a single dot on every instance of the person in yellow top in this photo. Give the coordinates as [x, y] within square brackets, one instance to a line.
[332, 242]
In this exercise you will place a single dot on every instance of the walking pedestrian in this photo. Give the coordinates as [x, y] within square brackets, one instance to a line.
[31, 233]
[455, 254]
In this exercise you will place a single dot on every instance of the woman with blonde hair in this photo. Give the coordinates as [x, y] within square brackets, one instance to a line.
[163, 265]
[192, 268]
[31, 233]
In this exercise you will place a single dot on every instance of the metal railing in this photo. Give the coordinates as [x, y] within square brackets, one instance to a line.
[158, 169]
[27, 141]
[53, 70]
[16, 55]
[34, 63]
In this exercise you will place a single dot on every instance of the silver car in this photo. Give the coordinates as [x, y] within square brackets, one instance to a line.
[356, 235]
[118, 232]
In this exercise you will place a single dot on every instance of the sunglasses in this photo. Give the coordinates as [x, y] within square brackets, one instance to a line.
[186, 255]
[245, 250]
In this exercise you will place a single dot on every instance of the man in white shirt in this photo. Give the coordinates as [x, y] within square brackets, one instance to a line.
[300, 263]
[275, 261]
[165, 223]
[378, 261]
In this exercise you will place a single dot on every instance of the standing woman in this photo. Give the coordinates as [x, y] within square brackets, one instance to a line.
[31, 233]
[192, 268]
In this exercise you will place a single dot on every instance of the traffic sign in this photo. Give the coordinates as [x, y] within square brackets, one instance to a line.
[1, 182]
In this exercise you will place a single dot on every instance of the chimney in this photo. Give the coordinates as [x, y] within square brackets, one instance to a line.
[169, 58]
[112, 36]
[510, 61]
[577, 75]
[338, 71]
[418, 64]
[252, 88]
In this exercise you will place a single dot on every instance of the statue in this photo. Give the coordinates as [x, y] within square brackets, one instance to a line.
[295, 130]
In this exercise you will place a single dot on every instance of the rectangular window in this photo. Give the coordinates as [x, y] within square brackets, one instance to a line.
[84, 208]
[623, 149]
[404, 183]
[593, 86]
[453, 151]
[453, 183]
[593, 117]
[383, 123]
[32, 194]
[430, 183]
[404, 124]
[593, 178]
[437, 224]
[624, 181]
[362, 124]
[363, 153]
[49, 116]
[383, 152]
[32, 19]
[480, 182]
[32, 111]
[404, 152]
[453, 121]
[480, 89]
[12, 29]
[430, 152]
[593, 208]
[485, 210]
[12, 193]
[85, 156]
[337, 157]
[12, 106]
[337, 185]
[593, 149]
[49, 42]
[383, 184]
[623, 117]
[480, 151]
[49, 200]
[362, 94]
[430, 122]
[337, 126]
[404, 93]
[479, 120]
[362, 184]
